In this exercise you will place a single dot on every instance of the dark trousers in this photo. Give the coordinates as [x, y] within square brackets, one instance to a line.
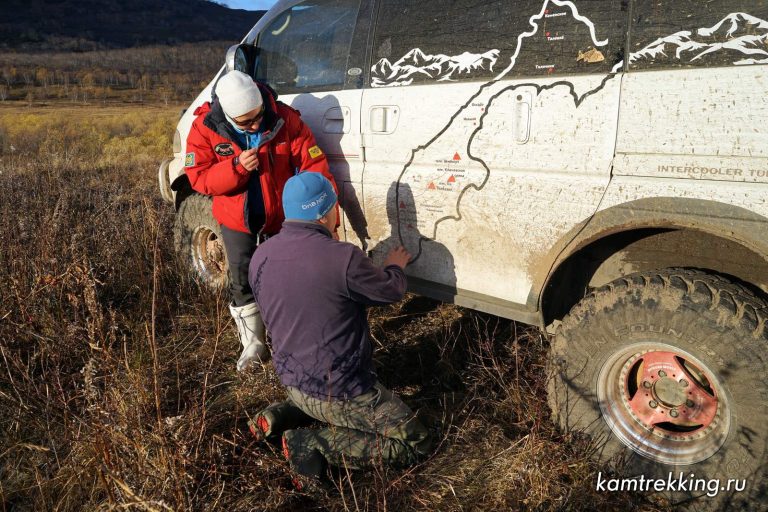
[240, 247]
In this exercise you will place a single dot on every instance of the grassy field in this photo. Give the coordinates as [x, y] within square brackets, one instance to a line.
[118, 387]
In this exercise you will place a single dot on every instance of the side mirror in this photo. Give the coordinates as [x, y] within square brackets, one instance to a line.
[239, 58]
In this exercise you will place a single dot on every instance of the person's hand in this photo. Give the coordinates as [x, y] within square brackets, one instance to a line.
[398, 256]
[249, 159]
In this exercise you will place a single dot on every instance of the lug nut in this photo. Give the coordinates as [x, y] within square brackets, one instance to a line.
[674, 413]
[653, 404]
[646, 384]
[689, 403]
[684, 383]
[662, 373]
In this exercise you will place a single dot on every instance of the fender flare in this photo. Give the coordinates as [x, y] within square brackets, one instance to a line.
[724, 220]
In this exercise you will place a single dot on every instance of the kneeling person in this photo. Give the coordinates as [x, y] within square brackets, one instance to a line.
[313, 291]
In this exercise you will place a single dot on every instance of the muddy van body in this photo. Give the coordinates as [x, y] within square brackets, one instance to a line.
[596, 168]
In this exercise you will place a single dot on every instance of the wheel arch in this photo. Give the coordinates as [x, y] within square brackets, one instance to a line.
[650, 234]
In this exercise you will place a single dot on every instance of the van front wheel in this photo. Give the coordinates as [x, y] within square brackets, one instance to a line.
[667, 371]
[197, 238]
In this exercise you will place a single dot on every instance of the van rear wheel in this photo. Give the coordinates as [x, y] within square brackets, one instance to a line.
[197, 238]
[667, 371]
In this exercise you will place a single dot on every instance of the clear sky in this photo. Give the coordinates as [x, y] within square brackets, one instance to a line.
[251, 5]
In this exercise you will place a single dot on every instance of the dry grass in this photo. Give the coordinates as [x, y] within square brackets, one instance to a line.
[117, 381]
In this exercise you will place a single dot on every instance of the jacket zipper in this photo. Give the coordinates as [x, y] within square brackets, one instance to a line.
[271, 159]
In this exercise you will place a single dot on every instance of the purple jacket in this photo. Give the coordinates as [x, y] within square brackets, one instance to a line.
[312, 292]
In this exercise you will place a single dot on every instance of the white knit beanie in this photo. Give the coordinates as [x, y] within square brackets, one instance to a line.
[238, 94]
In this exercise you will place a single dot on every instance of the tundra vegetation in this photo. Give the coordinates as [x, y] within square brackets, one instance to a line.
[118, 387]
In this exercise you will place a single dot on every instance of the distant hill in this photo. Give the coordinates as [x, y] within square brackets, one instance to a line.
[98, 24]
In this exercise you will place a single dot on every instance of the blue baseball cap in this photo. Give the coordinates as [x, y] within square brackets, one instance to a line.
[308, 196]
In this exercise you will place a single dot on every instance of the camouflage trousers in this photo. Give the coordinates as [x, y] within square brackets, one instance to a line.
[373, 428]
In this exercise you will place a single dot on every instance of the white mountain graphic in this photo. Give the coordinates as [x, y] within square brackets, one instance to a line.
[436, 67]
[739, 38]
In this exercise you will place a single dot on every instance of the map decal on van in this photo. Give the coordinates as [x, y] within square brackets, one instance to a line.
[434, 183]
[740, 34]
[417, 66]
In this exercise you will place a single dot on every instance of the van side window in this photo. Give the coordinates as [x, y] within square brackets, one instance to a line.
[306, 48]
[432, 41]
[691, 33]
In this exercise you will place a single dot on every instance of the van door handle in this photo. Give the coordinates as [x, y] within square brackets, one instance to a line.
[337, 120]
[383, 118]
[522, 117]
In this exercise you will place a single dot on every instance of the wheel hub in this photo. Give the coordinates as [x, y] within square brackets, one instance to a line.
[669, 392]
[208, 254]
[214, 253]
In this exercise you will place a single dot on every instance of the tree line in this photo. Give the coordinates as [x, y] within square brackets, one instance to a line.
[143, 74]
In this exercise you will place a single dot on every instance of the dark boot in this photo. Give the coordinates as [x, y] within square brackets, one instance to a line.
[307, 464]
[270, 423]
[310, 450]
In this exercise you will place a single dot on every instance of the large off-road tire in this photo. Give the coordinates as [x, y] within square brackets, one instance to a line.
[667, 371]
[197, 238]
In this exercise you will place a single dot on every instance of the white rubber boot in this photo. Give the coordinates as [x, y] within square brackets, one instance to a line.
[252, 333]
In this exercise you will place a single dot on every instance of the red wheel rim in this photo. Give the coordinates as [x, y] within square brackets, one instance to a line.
[663, 403]
[670, 396]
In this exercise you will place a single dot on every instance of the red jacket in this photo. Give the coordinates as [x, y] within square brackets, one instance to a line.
[287, 145]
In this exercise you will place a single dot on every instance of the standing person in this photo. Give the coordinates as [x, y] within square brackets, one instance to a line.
[313, 292]
[241, 150]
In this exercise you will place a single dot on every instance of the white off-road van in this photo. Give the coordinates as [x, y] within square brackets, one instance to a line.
[597, 168]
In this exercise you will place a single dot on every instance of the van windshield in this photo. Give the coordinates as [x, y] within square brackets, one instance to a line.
[307, 46]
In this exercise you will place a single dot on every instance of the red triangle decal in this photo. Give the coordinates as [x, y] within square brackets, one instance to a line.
[452, 179]
[402, 204]
[431, 186]
[456, 156]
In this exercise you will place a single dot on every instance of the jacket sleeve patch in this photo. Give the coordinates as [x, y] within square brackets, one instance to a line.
[224, 149]
[315, 152]
[189, 161]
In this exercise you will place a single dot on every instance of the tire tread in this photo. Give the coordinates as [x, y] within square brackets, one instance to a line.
[739, 302]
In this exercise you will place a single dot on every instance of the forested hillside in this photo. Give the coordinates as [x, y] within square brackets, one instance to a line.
[99, 52]
[46, 25]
